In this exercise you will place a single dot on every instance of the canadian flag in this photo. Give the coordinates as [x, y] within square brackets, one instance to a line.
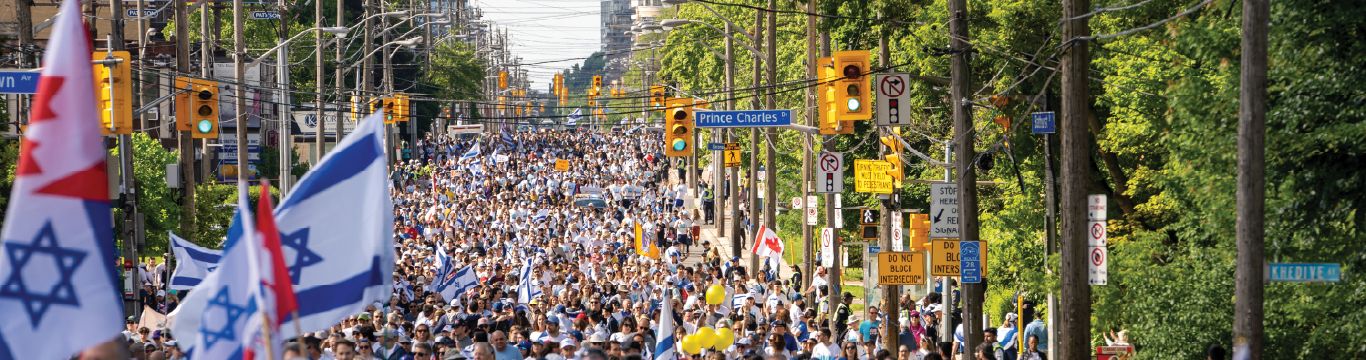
[767, 244]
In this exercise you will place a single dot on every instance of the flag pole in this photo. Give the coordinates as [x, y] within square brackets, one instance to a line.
[299, 336]
[265, 334]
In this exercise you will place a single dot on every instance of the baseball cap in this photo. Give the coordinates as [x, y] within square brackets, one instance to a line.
[553, 320]
[848, 294]
[453, 354]
[161, 292]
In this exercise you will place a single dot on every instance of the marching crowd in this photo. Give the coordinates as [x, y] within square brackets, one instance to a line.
[504, 253]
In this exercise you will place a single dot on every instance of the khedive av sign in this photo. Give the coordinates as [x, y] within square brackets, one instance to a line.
[748, 118]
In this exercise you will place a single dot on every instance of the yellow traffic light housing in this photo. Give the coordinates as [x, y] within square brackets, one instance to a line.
[597, 82]
[184, 102]
[402, 107]
[502, 80]
[920, 232]
[830, 123]
[678, 127]
[204, 110]
[114, 93]
[390, 108]
[657, 96]
[852, 90]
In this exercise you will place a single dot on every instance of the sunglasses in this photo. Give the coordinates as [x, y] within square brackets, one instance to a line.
[423, 330]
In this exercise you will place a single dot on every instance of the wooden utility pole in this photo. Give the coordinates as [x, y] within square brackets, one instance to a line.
[186, 144]
[1074, 308]
[812, 119]
[832, 274]
[318, 99]
[890, 209]
[240, 67]
[1248, 290]
[24, 16]
[963, 135]
[771, 156]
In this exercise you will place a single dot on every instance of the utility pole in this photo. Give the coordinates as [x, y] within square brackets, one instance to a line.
[891, 294]
[318, 103]
[1074, 310]
[24, 16]
[832, 213]
[1249, 290]
[282, 79]
[239, 64]
[771, 156]
[967, 175]
[206, 49]
[812, 119]
[754, 143]
[186, 145]
[736, 233]
[341, 100]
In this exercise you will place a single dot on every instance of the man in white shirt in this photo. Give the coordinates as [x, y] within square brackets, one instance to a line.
[825, 350]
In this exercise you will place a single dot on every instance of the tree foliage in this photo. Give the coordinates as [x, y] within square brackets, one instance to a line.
[1163, 144]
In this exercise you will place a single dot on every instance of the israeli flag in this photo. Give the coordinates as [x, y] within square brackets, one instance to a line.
[665, 349]
[222, 313]
[739, 300]
[468, 154]
[508, 139]
[541, 215]
[527, 288]
[450, 283]
[574, 117]
[193, 263]
[337, 228]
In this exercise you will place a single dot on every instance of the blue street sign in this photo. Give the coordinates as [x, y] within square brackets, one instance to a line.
[265, 15]
[874, 249]
[970, 260]
[749, 118]
[146, 13]
[1302, 272]
[1043, 122]
[716, 146]
[18, 81]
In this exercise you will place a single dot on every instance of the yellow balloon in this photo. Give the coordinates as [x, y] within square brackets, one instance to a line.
[690, 345]
[705, 336]
[724, 337]
[716, 294]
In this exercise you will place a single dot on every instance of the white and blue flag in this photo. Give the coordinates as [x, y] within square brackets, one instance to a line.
[337, 229]
[541, 215]
[193, 263]
[527, 288]
[665, 348]
[449, 282]
[474, 151]
[574, 117]
[222, 313]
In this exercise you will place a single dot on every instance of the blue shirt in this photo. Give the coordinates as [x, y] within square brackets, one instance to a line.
[1040, 329]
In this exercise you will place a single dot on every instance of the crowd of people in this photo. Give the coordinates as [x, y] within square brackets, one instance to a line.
[578, 264]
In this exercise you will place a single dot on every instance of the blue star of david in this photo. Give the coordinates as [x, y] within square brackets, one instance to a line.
[233, 312]
[303, 257]
[37, 303]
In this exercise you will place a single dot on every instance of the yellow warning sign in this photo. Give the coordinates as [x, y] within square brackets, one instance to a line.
[901, 268]
[871, 176]
[561, 165]
[944, 260]
[732, 155]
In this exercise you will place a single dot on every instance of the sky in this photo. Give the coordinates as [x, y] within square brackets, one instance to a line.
[553, 34]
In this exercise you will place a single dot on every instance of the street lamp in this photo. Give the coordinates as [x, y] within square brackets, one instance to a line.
[339, 31]
[406, 42]
[674, 23]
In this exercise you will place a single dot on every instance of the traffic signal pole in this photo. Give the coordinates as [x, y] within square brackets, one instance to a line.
[972, 294]
[755, 104]
[240, 91]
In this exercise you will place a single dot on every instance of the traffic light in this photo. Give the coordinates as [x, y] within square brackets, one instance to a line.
[893, 157]
[852, 90]
[502, 80]
[184, 103]
[830, 123]
[920, 232]
[678, 136]
[597, 82]
[390, 108]
[657, 96]
[204, 104]
[402, 108]
[114, 93]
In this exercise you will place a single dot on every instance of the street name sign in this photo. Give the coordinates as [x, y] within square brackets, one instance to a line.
[716, 146]
[901, 268]
[743, 118]
[1043, 122]
[943, 210]
[893, 99]
[18, 81]
[265, 15]
[1303, 272]
[830, 173]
